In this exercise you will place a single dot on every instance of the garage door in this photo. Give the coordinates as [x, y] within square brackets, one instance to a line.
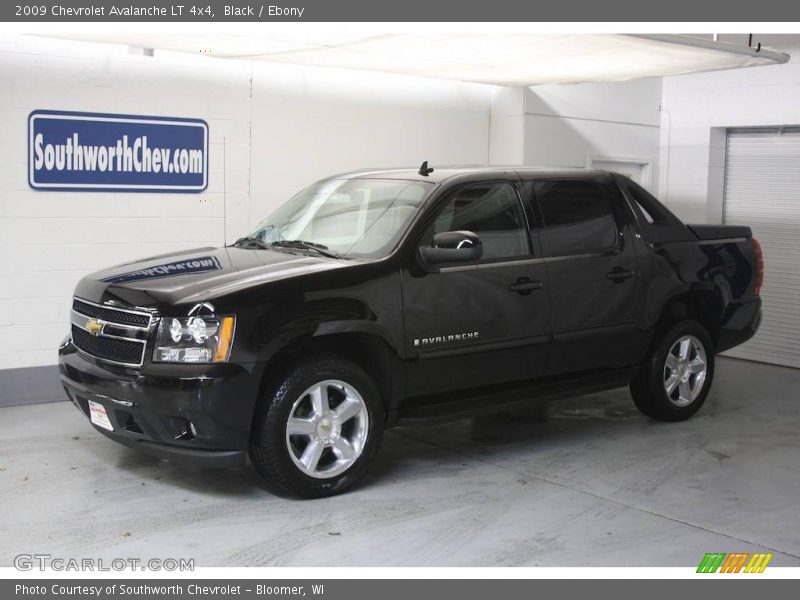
[762, 190]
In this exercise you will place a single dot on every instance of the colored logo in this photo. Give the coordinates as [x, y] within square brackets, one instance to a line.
[94, 327]
[737, 562]
[91, 152]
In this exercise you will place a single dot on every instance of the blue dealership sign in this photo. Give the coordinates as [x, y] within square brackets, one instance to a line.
[75, 151]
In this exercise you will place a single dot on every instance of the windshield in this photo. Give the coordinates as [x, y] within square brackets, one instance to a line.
[358, 218]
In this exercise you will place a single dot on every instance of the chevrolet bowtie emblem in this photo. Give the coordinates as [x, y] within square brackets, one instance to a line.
[94, 327]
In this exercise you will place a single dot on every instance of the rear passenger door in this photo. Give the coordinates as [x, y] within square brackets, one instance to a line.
[586, 238]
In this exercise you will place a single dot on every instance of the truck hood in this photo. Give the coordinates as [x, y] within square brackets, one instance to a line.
[197, 275]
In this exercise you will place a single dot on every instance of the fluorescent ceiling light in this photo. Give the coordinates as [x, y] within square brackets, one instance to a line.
[513, 59]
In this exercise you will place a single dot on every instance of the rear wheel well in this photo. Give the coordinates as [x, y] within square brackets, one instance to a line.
[367, 351]
[702, 306]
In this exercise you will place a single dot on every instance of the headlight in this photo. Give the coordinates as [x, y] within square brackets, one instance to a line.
[194, 339]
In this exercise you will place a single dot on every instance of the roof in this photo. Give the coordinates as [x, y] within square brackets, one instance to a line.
[442, 174]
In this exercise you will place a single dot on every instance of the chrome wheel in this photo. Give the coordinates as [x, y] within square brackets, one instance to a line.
[685, 370]
[327, 429]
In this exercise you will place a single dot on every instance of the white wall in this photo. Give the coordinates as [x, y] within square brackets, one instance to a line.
[48, 240]
[563, 125]
[309, 123]
[507, 132]
[281, 127]
[697, 110]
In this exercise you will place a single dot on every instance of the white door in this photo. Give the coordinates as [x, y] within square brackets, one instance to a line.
[762, 190]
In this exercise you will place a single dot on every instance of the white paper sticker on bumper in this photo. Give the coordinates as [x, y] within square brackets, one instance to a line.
[99, 416]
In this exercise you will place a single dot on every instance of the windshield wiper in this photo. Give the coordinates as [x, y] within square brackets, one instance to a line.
[251, 241]
[314, 247]
[302, 245]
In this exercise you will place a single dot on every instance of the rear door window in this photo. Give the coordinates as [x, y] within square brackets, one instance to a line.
[577, 217]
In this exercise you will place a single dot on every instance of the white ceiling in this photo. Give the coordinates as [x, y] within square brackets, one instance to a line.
[502, 59]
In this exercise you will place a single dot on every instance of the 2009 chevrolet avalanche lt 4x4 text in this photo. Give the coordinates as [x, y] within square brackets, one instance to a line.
[377, 297]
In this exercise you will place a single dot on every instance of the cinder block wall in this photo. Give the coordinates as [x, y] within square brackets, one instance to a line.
[48, 240]
[309, 123]
[273, 130]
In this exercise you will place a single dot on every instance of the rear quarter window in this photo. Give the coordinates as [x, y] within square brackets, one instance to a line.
[577, 217]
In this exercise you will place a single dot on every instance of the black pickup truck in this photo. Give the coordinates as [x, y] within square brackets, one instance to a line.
[375, 298]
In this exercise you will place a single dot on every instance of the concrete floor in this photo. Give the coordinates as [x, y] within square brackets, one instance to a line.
[594, 484]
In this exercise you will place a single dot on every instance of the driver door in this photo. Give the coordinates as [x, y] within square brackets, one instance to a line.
[481, 322]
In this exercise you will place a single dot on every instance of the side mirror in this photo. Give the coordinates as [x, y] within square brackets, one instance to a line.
[452, 246]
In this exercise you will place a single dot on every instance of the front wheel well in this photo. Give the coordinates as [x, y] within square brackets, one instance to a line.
[367, 351]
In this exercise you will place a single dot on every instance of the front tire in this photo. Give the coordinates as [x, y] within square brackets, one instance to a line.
[317, 430]
[676, 378]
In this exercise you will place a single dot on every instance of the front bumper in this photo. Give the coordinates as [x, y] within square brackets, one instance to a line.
[197, 415]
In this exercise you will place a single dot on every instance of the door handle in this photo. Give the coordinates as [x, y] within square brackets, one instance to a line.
[618, 274]
[524, 286]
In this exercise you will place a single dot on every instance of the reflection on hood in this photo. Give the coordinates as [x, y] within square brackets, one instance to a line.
[200, 264]
[196, 275]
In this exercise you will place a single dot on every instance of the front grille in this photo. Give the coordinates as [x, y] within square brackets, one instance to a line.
[107, 348]
[123, 317]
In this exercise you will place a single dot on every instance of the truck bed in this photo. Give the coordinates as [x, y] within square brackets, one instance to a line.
[720, 232]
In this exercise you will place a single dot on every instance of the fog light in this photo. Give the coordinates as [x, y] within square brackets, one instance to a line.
[182, 429]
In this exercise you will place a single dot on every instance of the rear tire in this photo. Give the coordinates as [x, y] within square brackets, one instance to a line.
[676, 377]
[316, 431]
